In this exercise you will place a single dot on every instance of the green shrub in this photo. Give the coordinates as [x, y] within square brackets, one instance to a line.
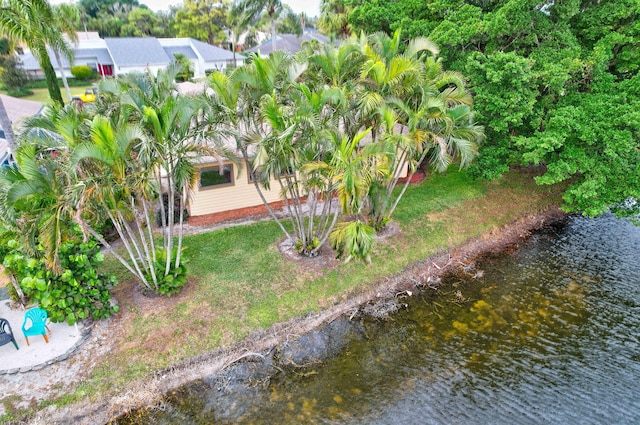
[82, 72]
[177, 277]
[42, 84]
[19, 92]
[77, 293]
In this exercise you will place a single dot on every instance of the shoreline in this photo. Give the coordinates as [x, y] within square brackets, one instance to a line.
[146, 391]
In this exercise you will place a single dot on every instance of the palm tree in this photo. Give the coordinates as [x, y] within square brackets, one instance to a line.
[254, 8]
[36, 198]
[236, 101]
[65, 17]
[158, 156]
[235, 26]
[25, 20]
[422, 111]
[334, 18]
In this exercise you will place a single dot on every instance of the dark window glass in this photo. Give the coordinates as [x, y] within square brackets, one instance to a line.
[211, 176]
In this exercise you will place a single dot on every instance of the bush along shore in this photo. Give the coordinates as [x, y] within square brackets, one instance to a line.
[247, 297]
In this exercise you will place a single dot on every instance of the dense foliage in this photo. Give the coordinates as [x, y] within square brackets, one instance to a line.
[13, 77]
[78, 292]
[555, 83]
[209, 21]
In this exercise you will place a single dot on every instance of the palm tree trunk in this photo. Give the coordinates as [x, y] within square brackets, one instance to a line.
[171, 190]
[273, 34]
[406, 184]
[62, 75]
[324, 238]
[125, 241]
[50, 76]
[145, 246]
[183, 196]
[108, 246]
[272, 213]
[18, 289]
[5, 123]
[147, 218]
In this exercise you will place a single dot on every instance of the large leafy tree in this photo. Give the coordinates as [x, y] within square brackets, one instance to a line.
[532, 66]
[203, 20]
[23, 20]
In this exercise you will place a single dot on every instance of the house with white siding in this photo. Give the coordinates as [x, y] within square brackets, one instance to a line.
[117, 56]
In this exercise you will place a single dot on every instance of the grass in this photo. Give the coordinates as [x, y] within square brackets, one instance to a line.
[240, 282]
[42, 94]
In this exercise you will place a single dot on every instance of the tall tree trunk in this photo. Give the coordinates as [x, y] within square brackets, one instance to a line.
[18, 289]
[5, 123]
[50, 75]
[62, 75]
[273, 34]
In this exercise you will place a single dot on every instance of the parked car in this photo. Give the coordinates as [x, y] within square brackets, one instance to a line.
[89, 95]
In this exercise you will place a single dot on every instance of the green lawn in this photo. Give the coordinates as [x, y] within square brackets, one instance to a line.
[42, 95]
[241, 283]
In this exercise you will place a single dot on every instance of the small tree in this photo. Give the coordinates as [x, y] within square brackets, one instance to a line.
[13, 77]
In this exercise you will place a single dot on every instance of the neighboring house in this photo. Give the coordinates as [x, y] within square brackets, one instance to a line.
[116, 56]
[290, 43]
[17, 110]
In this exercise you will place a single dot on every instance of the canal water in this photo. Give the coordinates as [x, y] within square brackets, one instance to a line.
[548, 334]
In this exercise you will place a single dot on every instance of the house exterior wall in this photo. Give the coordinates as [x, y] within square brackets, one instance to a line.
[119, 70]
[240, 194]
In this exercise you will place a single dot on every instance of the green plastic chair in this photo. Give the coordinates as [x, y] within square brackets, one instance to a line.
[35, 323]
[6, 334]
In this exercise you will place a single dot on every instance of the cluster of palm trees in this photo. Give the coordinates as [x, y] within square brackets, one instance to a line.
[337, 127]
[334, 128]
[79, 168]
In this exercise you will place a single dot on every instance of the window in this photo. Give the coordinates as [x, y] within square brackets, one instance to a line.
[211, 176]
[289, 172]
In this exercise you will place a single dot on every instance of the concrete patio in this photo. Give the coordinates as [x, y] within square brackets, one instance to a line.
[63, 340]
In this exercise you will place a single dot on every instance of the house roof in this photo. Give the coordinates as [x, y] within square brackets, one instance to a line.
[29, 62]
[212, 53]
[18, 109]
[187, 51]
[288, 42]
[137, 51]
[100, 54]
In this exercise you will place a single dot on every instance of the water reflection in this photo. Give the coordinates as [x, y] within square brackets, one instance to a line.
[547, 335]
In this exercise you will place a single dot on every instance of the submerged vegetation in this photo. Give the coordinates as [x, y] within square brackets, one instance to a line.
[336, 129]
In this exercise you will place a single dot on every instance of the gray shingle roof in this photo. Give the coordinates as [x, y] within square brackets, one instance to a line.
[212, 53]
[184, 50]
[19, 109]
[29, 62]
[137, 51]
[288, 42]
[100, 55]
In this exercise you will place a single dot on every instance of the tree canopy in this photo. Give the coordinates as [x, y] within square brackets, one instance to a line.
[555, 84]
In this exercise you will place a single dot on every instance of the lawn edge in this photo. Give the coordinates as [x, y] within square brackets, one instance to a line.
[149, 390]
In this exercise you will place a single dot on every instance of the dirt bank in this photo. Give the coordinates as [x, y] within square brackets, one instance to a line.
[54, 381]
